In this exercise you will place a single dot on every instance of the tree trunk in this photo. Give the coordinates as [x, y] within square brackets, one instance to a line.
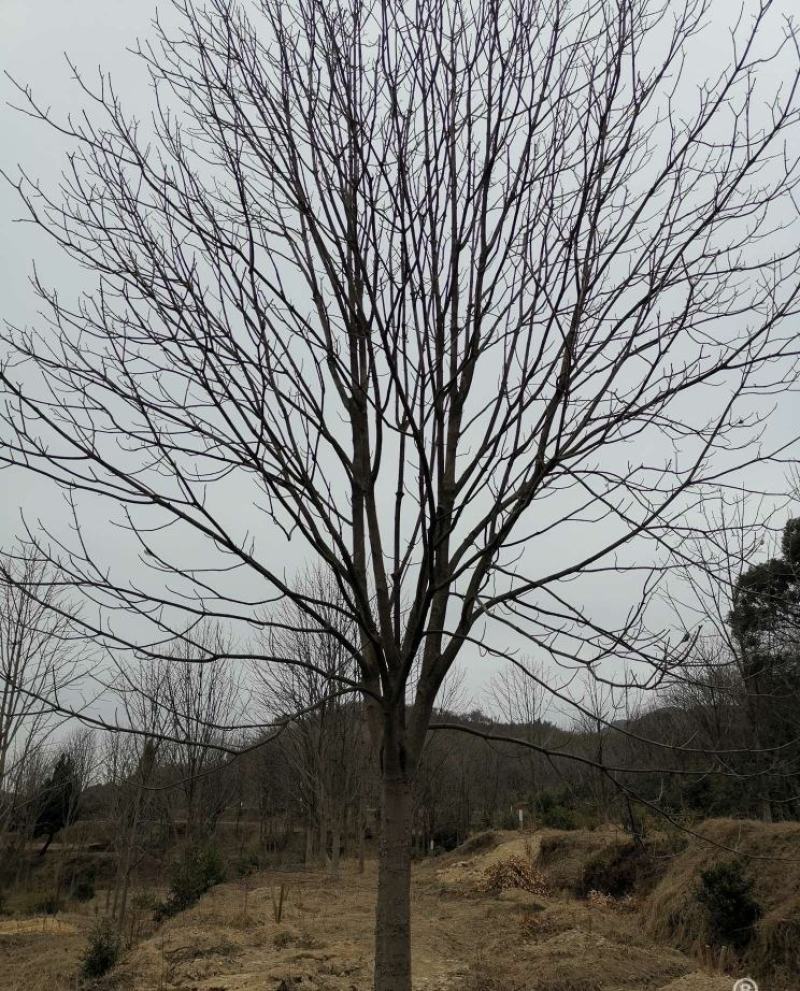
[324, 858]
[333, 864]
[393, 912]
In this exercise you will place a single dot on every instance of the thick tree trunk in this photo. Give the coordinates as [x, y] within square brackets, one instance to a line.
[393, 912]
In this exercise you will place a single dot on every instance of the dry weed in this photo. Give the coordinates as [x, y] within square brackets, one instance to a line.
[514, 873]
[599, 899]
[567, 984]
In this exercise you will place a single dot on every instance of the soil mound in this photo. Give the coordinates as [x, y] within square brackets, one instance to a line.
[564, 854]
[468, 864]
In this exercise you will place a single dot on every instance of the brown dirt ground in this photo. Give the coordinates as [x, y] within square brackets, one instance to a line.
[464, 939]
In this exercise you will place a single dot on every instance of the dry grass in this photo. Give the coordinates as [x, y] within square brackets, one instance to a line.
[37, 925]
[700, 981]
[230, 940]
[325, 941]
[563, 854]
[32, 961]
[600, 900]
[771, 856]
[467, 864]
[479, 843]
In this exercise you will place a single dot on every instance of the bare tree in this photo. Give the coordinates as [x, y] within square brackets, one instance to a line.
[326, 748]
[525, 703]
[469, 301]
[132, 771]
[201, 703]
[41, 659]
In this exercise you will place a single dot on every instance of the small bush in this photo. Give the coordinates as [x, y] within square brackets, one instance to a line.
[199, 869]
[247, 863]
[102, 951]
[508, 820]
[82, 889]
[559, 817]
[143, 906]
[553, 812]
[727, 896]
[144, 901]
[446, 839]
[47, 905]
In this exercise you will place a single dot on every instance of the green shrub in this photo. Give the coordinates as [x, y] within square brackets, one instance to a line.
[82, 889]
[508, 820]
[559, 817]
[727, 896]
[199, 869]
[46, 905]
[247, 863]
[102, 950]
[144, 901]
[553, 811]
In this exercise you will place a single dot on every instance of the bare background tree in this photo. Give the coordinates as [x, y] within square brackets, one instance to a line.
[201, 703]
[41, 659]
[474, 303]
[314, 684]
[524, 701]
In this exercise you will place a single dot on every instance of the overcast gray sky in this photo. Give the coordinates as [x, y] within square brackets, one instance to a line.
[34, 34]
[34, 37]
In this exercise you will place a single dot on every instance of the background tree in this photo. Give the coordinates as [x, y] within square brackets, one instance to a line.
[138, 786]
[521, 699]
[41, 659]
[473, 302]
[60, 800]
[737, 693]
[201, 705]
[313, 684]
[765, 624]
